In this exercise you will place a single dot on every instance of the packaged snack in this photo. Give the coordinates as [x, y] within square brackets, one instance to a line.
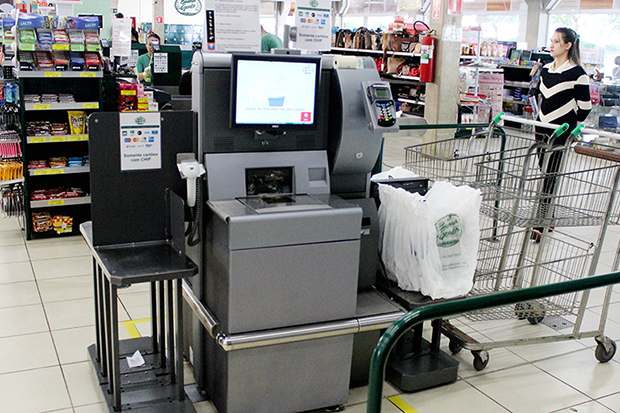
[61, 59]
[127, 97]
[44, 60]
[77, 121]
[41, 221]
[76, 60]
[62, 223]
[58, 162]
[92, 61]
[45, 40]
[60, 37]
[27, 36]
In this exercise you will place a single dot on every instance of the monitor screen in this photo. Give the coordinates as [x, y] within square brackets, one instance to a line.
[271, 92]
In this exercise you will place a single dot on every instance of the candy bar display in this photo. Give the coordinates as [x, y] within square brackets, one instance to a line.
[75, 161]
[60, 37]
[27, 36]
[77, 121]
[91, 37]
[92, 61]
[41, 221]
[66, 98]
[61, 59]
[38, 128]
[45, 40]
[59, 128]
[76, 37]
[44, 60]
[58, 162]
[38, 164]
[62, 223]
[77, 61]
[32, 98]
[127, 97]
[26, 60]
[56, 193]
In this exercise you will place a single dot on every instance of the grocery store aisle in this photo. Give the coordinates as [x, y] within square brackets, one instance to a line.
[47, 322]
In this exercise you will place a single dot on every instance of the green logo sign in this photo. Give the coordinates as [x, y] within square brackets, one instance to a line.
[140, 120]
[449, 231]
[188, 7]
[314, 3]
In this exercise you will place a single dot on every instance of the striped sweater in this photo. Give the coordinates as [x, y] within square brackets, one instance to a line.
[566, 94]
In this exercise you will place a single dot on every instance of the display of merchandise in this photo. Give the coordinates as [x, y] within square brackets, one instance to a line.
[12, 200]
[38, 128]
[60, 37]
[27, 36]
[26, 60]
[77, 121]
[49, 98]
[56, 193]
[59, 128]
[61, 59]
[77, 60]
[91, 38]
[41, 221]
[45, 40]
[44, 60]
[62, 223]
[92, 61]
[77, 37]
[9, 145]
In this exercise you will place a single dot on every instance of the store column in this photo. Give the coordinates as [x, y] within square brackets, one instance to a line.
[537, 23]
[443, 93]
[158, 18]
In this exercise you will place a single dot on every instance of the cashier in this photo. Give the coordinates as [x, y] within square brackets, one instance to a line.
[143, 66]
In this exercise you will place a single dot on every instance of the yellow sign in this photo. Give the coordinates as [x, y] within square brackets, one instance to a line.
[37, 140]
[52, 74]
[58, 139]
[128, 92]
[56, 202]
[94, 105]
[88, 74]
[40, 106]
[55, 171]
[75, 138]
[60, 46]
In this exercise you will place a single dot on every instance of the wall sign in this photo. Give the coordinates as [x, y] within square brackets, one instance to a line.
[436, 9]
[140, 141]
[188, 7]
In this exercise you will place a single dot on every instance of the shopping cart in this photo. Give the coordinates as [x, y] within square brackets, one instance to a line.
[524, 195]
[453, 160]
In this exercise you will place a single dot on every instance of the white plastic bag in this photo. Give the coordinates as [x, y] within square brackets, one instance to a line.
[429, 244]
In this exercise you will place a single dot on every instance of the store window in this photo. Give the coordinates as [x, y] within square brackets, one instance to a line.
[500, 27]
[597, 32]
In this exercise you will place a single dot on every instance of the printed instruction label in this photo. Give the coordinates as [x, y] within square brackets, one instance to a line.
[160, 62]
[140, 140]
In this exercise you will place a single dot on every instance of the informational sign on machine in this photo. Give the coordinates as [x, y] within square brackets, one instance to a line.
[140, 141]
[121, 37]
[313, 21]
[232, 26]
[160, 62]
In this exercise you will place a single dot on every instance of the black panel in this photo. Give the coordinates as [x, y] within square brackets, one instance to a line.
[130, 206]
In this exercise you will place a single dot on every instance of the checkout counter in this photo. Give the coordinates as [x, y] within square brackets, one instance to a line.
[283, 313]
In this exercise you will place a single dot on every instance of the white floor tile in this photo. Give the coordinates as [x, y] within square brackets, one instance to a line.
[76, 247]
[17, 294]
[612, 401]
[590, 407]
[92, 408]
[67, 288]
[583, 372]
[526, 389]
[386, 407]
[12, 237]
[138, 305]
[9, 224]
[455, 397]
[27, 352]
[62, 267]
[13, 253]
[75, 313]
[83, 384]
[40, 390]
[71, 344]
[22, 320]
[16, 272]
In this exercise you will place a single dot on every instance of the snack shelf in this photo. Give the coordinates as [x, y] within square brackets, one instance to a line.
[59, 171]
[371, 51]
[12, 181]
[57, 138]
[415, 102]
[52, 74]
[83, 200]
[61, 106]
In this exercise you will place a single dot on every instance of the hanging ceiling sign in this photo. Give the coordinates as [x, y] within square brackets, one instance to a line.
[188, 7]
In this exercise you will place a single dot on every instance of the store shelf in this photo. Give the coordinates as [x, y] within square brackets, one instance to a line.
[61, 106]
[369, 51]
[57, 74]
[56, 138]
[84, 200]
[414, 102]
[59, 171]
[11, 182]
[517, 84]
[406, 79]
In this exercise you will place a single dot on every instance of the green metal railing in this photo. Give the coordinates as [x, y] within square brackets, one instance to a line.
[445, 309]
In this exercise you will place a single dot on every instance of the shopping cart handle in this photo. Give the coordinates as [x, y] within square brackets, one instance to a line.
[498, 118]
[577, 131]
[563, 128]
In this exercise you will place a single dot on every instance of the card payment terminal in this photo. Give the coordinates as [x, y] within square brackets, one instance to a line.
[380, 106]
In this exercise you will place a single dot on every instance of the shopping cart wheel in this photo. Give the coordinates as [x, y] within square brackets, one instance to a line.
[602, 354]
[454, 347]
[481, 359]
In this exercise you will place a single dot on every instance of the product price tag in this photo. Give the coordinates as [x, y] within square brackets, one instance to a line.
[52, 74]
[76, 138]
[90, 105]
[58, 139]
[60, 47]
[128, 92]
[92, 48]
[42, 139]
[56, 202]
[55, 171]
[88, 74]
[77, 47]
[27, 46]
[41, 106]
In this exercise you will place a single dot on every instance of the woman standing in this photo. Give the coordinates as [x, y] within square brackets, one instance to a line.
[565, 92]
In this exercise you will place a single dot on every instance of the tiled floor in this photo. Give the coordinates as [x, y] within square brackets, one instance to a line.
[47, 321]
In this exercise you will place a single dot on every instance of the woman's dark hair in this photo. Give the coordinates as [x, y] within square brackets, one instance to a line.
[570, 36]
